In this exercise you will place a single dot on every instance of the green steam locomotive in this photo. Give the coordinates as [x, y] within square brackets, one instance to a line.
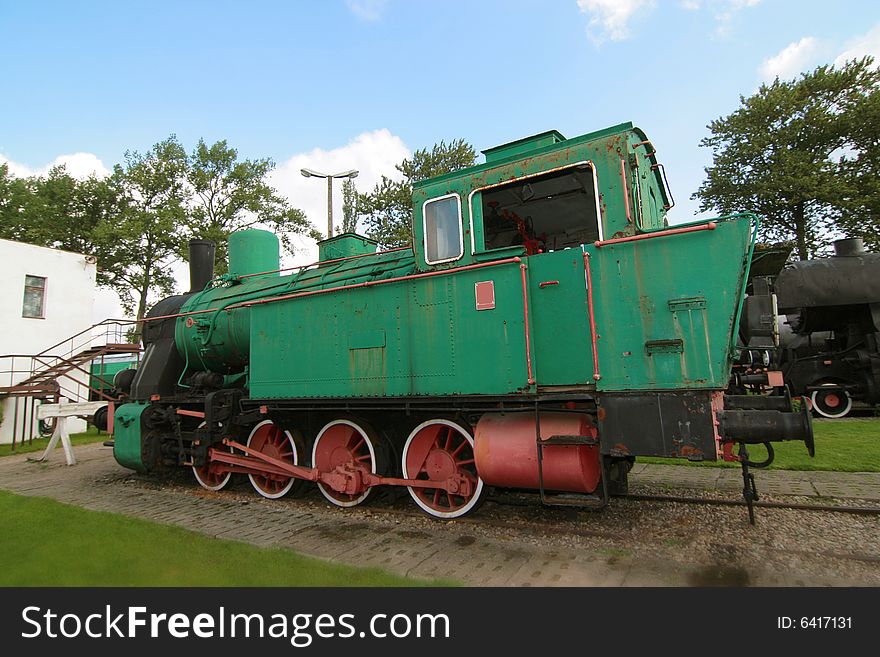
[546, 327]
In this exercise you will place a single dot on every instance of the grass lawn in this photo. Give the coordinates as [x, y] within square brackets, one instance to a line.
[851, 445]
[54, 544]
[39, 444]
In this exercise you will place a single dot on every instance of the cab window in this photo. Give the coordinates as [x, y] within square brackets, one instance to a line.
[442, 224]
[544, 213]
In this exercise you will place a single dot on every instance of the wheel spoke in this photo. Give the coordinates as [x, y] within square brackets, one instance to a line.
[448, 439]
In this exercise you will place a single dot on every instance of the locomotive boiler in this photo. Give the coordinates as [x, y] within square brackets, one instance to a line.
[545, 328]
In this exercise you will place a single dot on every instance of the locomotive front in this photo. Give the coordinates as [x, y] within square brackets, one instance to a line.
[546, 327]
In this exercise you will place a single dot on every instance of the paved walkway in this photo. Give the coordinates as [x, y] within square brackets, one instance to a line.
[852, 485]
[516, 555]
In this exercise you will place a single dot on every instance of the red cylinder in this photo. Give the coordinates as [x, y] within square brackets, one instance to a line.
[506, 454]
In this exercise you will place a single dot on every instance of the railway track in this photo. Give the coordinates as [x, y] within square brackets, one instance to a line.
[499, 519]
[855, 510]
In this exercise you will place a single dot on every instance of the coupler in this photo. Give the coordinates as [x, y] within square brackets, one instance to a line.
[753, 420]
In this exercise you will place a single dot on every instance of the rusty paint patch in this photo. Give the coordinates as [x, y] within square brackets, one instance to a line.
[689, 451]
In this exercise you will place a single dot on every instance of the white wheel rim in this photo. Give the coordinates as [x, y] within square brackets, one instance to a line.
[846, 408]
[354, 502]
[427, 509]
[204, 484]
[284, 491]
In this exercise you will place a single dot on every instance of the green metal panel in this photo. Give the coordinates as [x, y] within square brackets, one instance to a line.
[253, 251]
[415, 337]
[127, 438]
[560, 318]
[345, 246]
[521, 146]
[103, 371]
[666, 307]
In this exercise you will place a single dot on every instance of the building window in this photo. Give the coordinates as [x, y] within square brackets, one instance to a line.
[442, 217]
[34, 297]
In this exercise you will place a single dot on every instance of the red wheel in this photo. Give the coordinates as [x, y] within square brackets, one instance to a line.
[269, 439]
[345, 443]
[210, 475]
[439, 450]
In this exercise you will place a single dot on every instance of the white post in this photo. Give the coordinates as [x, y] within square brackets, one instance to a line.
[60, 433]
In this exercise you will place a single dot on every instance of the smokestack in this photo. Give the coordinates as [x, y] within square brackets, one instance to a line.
[201, 264]
[851, 246]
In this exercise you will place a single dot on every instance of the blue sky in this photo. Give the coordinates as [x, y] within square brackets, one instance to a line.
[361, 83]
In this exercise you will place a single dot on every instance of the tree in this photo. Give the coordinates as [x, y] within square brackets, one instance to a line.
[778, 154]
[387, 210]
[55, 210]
[349, 206]
[230, 195]
[861, 166]
[13, 198]
[140, 243]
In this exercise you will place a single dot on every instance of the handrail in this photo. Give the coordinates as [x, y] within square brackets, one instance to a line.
[106, 322]
[712, 225]
[594, 338]
[29, 374]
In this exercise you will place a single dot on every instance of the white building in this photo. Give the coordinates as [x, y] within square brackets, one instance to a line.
[46, 296]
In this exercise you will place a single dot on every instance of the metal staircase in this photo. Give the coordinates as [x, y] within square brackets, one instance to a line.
[62, 370]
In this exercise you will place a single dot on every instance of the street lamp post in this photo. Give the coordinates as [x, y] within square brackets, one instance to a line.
[310, 173]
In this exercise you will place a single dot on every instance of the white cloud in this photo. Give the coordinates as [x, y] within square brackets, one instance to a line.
[609, 19]
[368, 10]
[792, 59]
[79, 165]
[723, 11]
[866, 44]
[372, 153]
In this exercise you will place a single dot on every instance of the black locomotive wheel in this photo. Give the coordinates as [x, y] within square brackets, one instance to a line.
[831, 401]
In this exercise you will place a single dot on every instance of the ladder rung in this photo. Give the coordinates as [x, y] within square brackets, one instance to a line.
[569, 440]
